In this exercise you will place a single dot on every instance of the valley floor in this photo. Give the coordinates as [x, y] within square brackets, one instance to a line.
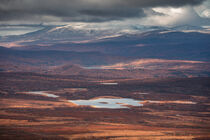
[173, 108]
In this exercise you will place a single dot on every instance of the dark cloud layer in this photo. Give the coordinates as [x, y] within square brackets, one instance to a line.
[81, 10]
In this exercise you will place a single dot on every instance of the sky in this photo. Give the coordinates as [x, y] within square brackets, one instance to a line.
[106, 13]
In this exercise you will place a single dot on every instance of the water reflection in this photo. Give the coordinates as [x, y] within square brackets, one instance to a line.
[43, 93]
[112, 103]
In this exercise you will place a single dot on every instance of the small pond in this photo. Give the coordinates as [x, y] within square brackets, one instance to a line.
[43, 93]
[109, 83]
[112, 103]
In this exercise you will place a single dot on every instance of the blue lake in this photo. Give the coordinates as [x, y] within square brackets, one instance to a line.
[112, 103]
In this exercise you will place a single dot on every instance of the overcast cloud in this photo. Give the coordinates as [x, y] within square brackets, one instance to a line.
[84, 10]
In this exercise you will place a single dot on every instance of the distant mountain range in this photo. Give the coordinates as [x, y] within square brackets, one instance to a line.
[53, 33]
[55, 49]
[154, 42]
